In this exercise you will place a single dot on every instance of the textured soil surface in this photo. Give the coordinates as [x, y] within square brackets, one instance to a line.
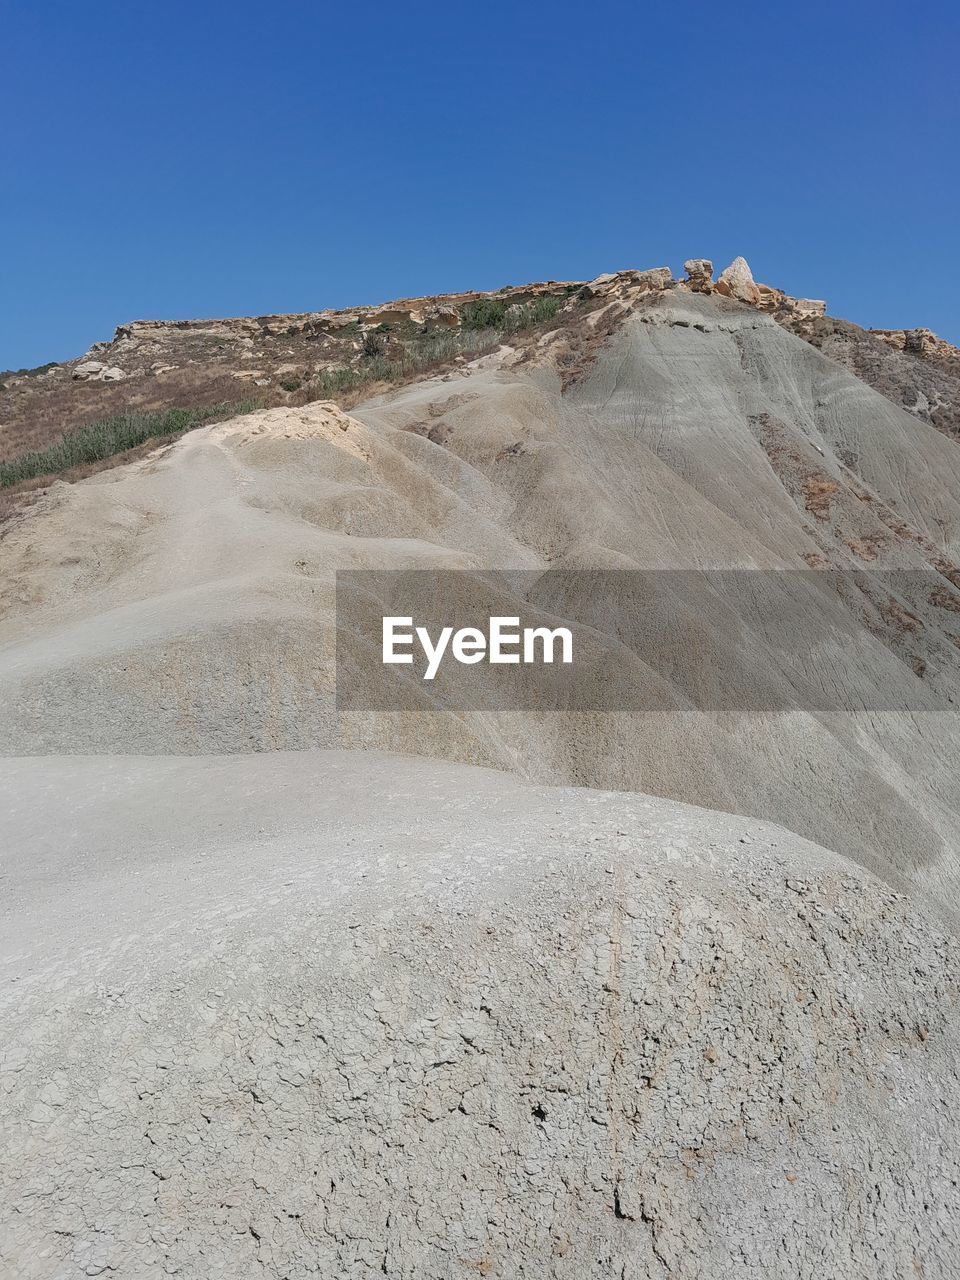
[273, 1006]
[355, 1015]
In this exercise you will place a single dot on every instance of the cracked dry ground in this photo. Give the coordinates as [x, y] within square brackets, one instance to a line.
[599, 1036]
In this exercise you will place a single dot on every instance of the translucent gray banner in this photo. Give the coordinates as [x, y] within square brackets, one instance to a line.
[642, 641]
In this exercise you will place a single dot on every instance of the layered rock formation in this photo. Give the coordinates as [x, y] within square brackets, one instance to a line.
[920, 342]
[699, 274]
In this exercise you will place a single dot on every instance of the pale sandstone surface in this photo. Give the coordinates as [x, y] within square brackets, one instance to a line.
[736, 281]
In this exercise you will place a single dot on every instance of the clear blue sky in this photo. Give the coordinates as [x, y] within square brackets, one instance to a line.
[200, 158]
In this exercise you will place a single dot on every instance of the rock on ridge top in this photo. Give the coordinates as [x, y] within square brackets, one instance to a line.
[699, 274]
[736, 281]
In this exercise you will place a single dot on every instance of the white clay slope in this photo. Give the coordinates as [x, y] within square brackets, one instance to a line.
[185, 604]
[347, 1015]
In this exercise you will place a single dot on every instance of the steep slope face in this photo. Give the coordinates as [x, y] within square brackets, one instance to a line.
[186, 604]
[473, 1028]
[913, 368]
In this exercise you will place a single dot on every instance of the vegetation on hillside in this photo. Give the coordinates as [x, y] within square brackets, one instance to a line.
[100, 440]
[391, 353]
[484, 325]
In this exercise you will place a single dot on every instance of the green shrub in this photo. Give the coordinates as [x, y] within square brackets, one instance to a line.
[485, 313]
[329, 381]
[491, 313]
[374, 344]
[545, 308]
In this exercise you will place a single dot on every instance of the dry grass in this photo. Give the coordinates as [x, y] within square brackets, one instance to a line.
[45, 411]
[107, 439]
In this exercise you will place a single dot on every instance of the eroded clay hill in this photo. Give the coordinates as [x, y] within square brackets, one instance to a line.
[351, 1015]
[185, 604]
[277, 1009]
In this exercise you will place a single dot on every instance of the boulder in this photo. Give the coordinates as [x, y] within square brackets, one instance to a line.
[94, 371]
[806, 307]
[445, 317]
[699, 274]
[736, 281]
[655, 278]
[598, 287]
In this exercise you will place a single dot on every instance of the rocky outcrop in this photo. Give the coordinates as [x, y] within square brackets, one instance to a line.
[736, 281]
[699, 274]
[599, 285]
[627, 284]
[446, 317]
[919, 342]
[920, 373]
[784, 307]
[443, 310]
[94, 371]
